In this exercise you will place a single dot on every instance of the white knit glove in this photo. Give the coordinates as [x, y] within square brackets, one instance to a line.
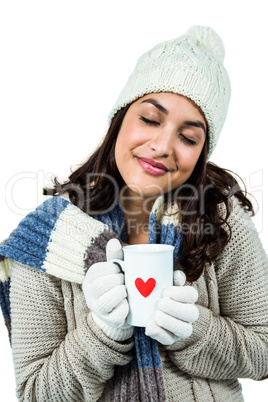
[106, 296]
[175, 312]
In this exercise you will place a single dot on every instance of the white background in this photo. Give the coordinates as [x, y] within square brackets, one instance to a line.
[62, 66]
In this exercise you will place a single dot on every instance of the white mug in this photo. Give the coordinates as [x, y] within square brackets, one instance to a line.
[148, 271]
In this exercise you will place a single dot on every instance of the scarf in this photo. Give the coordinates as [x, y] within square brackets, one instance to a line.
[59, 239]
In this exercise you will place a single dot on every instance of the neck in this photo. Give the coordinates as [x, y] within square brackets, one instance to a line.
[136, 214]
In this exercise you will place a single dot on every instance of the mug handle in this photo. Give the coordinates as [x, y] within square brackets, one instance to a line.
[120, 263]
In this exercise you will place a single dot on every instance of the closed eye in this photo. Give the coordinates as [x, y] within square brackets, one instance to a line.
[187, 140]
[151, 122]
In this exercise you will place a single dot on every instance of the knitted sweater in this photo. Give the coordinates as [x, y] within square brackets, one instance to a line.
[60, 354]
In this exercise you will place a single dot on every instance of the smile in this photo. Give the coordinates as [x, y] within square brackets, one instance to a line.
[152, 167]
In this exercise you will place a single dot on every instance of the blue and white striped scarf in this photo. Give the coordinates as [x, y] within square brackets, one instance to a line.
[60, 239]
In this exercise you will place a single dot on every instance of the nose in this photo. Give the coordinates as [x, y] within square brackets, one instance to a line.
[162, 143]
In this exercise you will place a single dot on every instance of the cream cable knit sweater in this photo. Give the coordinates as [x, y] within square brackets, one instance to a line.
[60, 354]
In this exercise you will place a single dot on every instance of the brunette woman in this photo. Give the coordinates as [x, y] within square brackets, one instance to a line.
[149, 182]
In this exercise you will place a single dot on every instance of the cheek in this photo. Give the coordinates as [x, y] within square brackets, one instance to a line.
[124, 144]
[129, 137]
[187, 158]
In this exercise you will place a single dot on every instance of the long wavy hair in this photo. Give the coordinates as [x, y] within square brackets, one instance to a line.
[94, 187]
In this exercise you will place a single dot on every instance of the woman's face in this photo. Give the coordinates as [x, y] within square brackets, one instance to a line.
[159, 143]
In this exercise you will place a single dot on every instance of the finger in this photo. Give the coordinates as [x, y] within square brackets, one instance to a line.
[114, 250]
[111, 299]
[183, 294]
[182, 311]
[179, 278]
[117, 317]
[101, 269]
[159, 334]
[177, 327]
[103, 284]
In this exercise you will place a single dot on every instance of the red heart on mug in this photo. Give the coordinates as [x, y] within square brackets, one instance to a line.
[145, 288]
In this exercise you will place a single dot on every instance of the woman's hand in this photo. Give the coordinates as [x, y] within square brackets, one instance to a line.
[106, 296]
[175, 312]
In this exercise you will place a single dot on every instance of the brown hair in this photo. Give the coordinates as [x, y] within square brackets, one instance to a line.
[205, 231]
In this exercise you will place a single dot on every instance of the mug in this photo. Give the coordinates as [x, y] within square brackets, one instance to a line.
[148, 271]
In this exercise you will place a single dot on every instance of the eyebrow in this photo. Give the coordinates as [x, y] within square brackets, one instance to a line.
[162, 109]
[196, 123]
[157, 105]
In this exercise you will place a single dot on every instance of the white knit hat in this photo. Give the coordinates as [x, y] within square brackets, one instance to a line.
[191, 65]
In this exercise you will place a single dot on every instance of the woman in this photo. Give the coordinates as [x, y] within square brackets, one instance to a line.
[149, 181]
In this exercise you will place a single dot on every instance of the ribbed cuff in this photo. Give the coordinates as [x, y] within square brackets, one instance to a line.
[117, 334]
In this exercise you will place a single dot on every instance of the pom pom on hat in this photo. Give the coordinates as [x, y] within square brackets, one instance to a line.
[208, 40]
[190, 65]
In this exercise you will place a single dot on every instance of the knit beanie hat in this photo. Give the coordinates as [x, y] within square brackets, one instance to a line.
[191, 65]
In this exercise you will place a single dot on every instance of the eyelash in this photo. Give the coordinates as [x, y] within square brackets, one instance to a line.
[155, 123]
[150, 122]
[187, 140]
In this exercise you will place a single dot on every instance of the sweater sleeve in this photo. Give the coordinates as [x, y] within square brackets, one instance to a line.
[52, 362]
[233, 344]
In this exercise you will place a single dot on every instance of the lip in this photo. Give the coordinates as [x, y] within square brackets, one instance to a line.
[152, 167]
[154, 163]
